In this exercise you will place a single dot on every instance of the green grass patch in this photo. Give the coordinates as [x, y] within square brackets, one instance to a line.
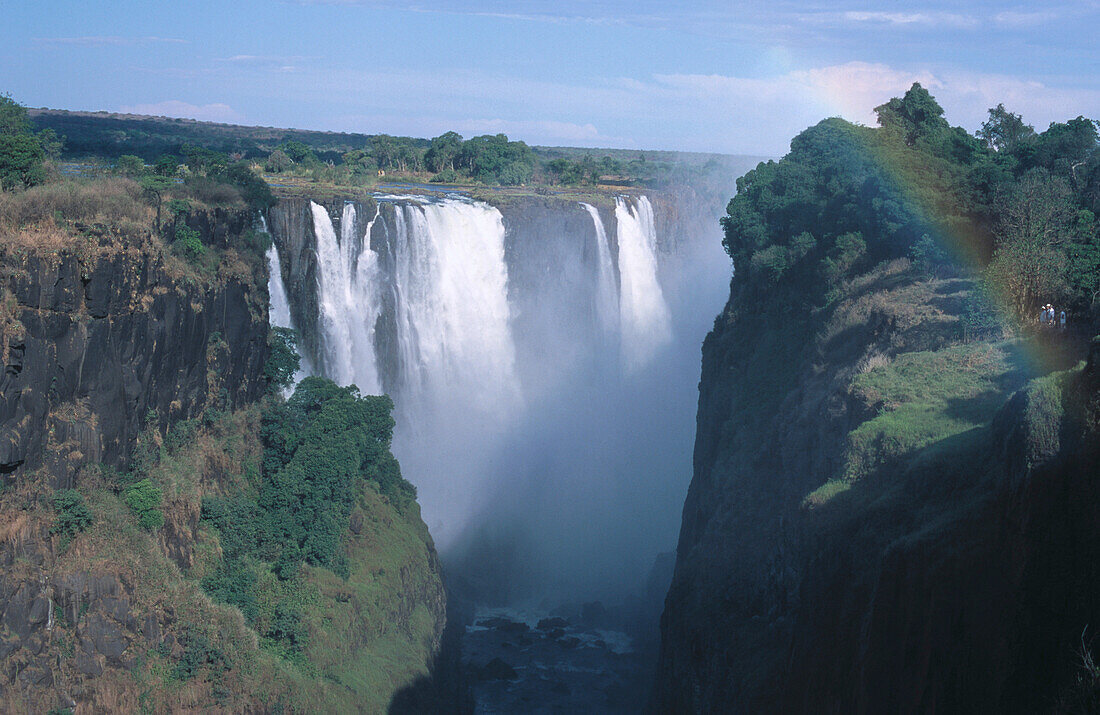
[923, 398]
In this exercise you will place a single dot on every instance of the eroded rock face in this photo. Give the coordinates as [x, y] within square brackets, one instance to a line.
[100, 338]
[963, 589]
[91, 619]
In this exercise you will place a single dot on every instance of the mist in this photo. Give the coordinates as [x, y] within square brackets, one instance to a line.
[544, 363]
[577, 492]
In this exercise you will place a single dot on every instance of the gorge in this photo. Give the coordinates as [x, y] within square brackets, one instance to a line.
[514, 341]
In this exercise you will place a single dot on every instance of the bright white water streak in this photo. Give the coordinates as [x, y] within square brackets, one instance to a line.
[451, 285]
[348, 298]
[646, 322]
[607, 297]
[278, 312]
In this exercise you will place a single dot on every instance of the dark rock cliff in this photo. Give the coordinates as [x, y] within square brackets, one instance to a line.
[957, 578]
[108, 332]
[99, 330]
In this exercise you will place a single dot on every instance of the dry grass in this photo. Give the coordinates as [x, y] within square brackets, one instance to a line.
[113, 200]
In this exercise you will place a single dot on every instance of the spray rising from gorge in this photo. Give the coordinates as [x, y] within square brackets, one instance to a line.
[542, 368]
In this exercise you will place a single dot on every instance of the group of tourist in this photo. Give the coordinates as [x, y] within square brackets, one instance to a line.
[1050, 319]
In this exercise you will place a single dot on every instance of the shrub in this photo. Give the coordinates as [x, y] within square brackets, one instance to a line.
[927, 255]
[189, 242]
[447, 176]
[130, 165]
[112, 200]
[144, 498]
[198, 652]
[212, 191]
[73, 515]
[282, 358]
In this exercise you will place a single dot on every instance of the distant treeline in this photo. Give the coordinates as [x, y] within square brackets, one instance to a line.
[344, 158]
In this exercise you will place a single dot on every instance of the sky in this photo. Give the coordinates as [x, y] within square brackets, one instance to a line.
[714, 76]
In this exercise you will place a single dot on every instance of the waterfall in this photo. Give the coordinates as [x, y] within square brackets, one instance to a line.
[607, 298]
[646, 322]
[543, 401]
[348, 300]
[278, 312]
[451, 297]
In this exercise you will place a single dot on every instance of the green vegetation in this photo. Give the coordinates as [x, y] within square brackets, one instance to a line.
[923, 398]
[283, 360]
[73, 516]
[1017, 204]
[23, 154]
[297, 159]
[319, 448]
[143, 498]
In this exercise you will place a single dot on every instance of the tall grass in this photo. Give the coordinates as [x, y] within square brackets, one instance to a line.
[107, 200]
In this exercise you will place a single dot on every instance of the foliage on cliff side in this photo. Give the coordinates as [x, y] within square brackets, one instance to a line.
[1022, 211]
[228, 604]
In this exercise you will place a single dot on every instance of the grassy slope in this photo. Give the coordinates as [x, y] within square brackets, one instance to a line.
[923, 398]
[369, 636]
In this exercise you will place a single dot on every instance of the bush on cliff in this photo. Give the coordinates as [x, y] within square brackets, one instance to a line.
[283, 360]
[73, 515]
[144, 498]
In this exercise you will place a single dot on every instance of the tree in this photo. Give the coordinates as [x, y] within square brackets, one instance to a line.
[913, 116]
[282, 359]
[1065, 149]
[21, 161]
[1037, 219]
[297, 152]
[130, 165]
[166, 165]
[278, 162]
[443, 151]
[21, 153]
[154, 187]
[384, 149]
[1004, 131]
[13, 116]
[204, 161]
[52, 144]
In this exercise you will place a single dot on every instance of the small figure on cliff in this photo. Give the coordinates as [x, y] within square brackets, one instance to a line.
[1062, 320]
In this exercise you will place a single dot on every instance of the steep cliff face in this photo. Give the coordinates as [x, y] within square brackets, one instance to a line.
[873, 525]
[100, 332]
[124, 361]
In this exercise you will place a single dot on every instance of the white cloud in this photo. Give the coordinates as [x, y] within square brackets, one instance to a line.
[928, 19]
[175, 108]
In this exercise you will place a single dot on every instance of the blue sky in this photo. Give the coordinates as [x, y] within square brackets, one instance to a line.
[701, 76]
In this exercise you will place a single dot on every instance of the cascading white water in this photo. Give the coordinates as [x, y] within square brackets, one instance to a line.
[646, 322]
[278, 312]
[607, 294]
[554, 438]
[452, 303]
[348, 298]
[455, 352]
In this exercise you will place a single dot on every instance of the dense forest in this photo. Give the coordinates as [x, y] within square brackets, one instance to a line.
[1019, 206]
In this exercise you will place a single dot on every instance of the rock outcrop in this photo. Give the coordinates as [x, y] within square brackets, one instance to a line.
[956, 578]
[100, 333]
[110, 344]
